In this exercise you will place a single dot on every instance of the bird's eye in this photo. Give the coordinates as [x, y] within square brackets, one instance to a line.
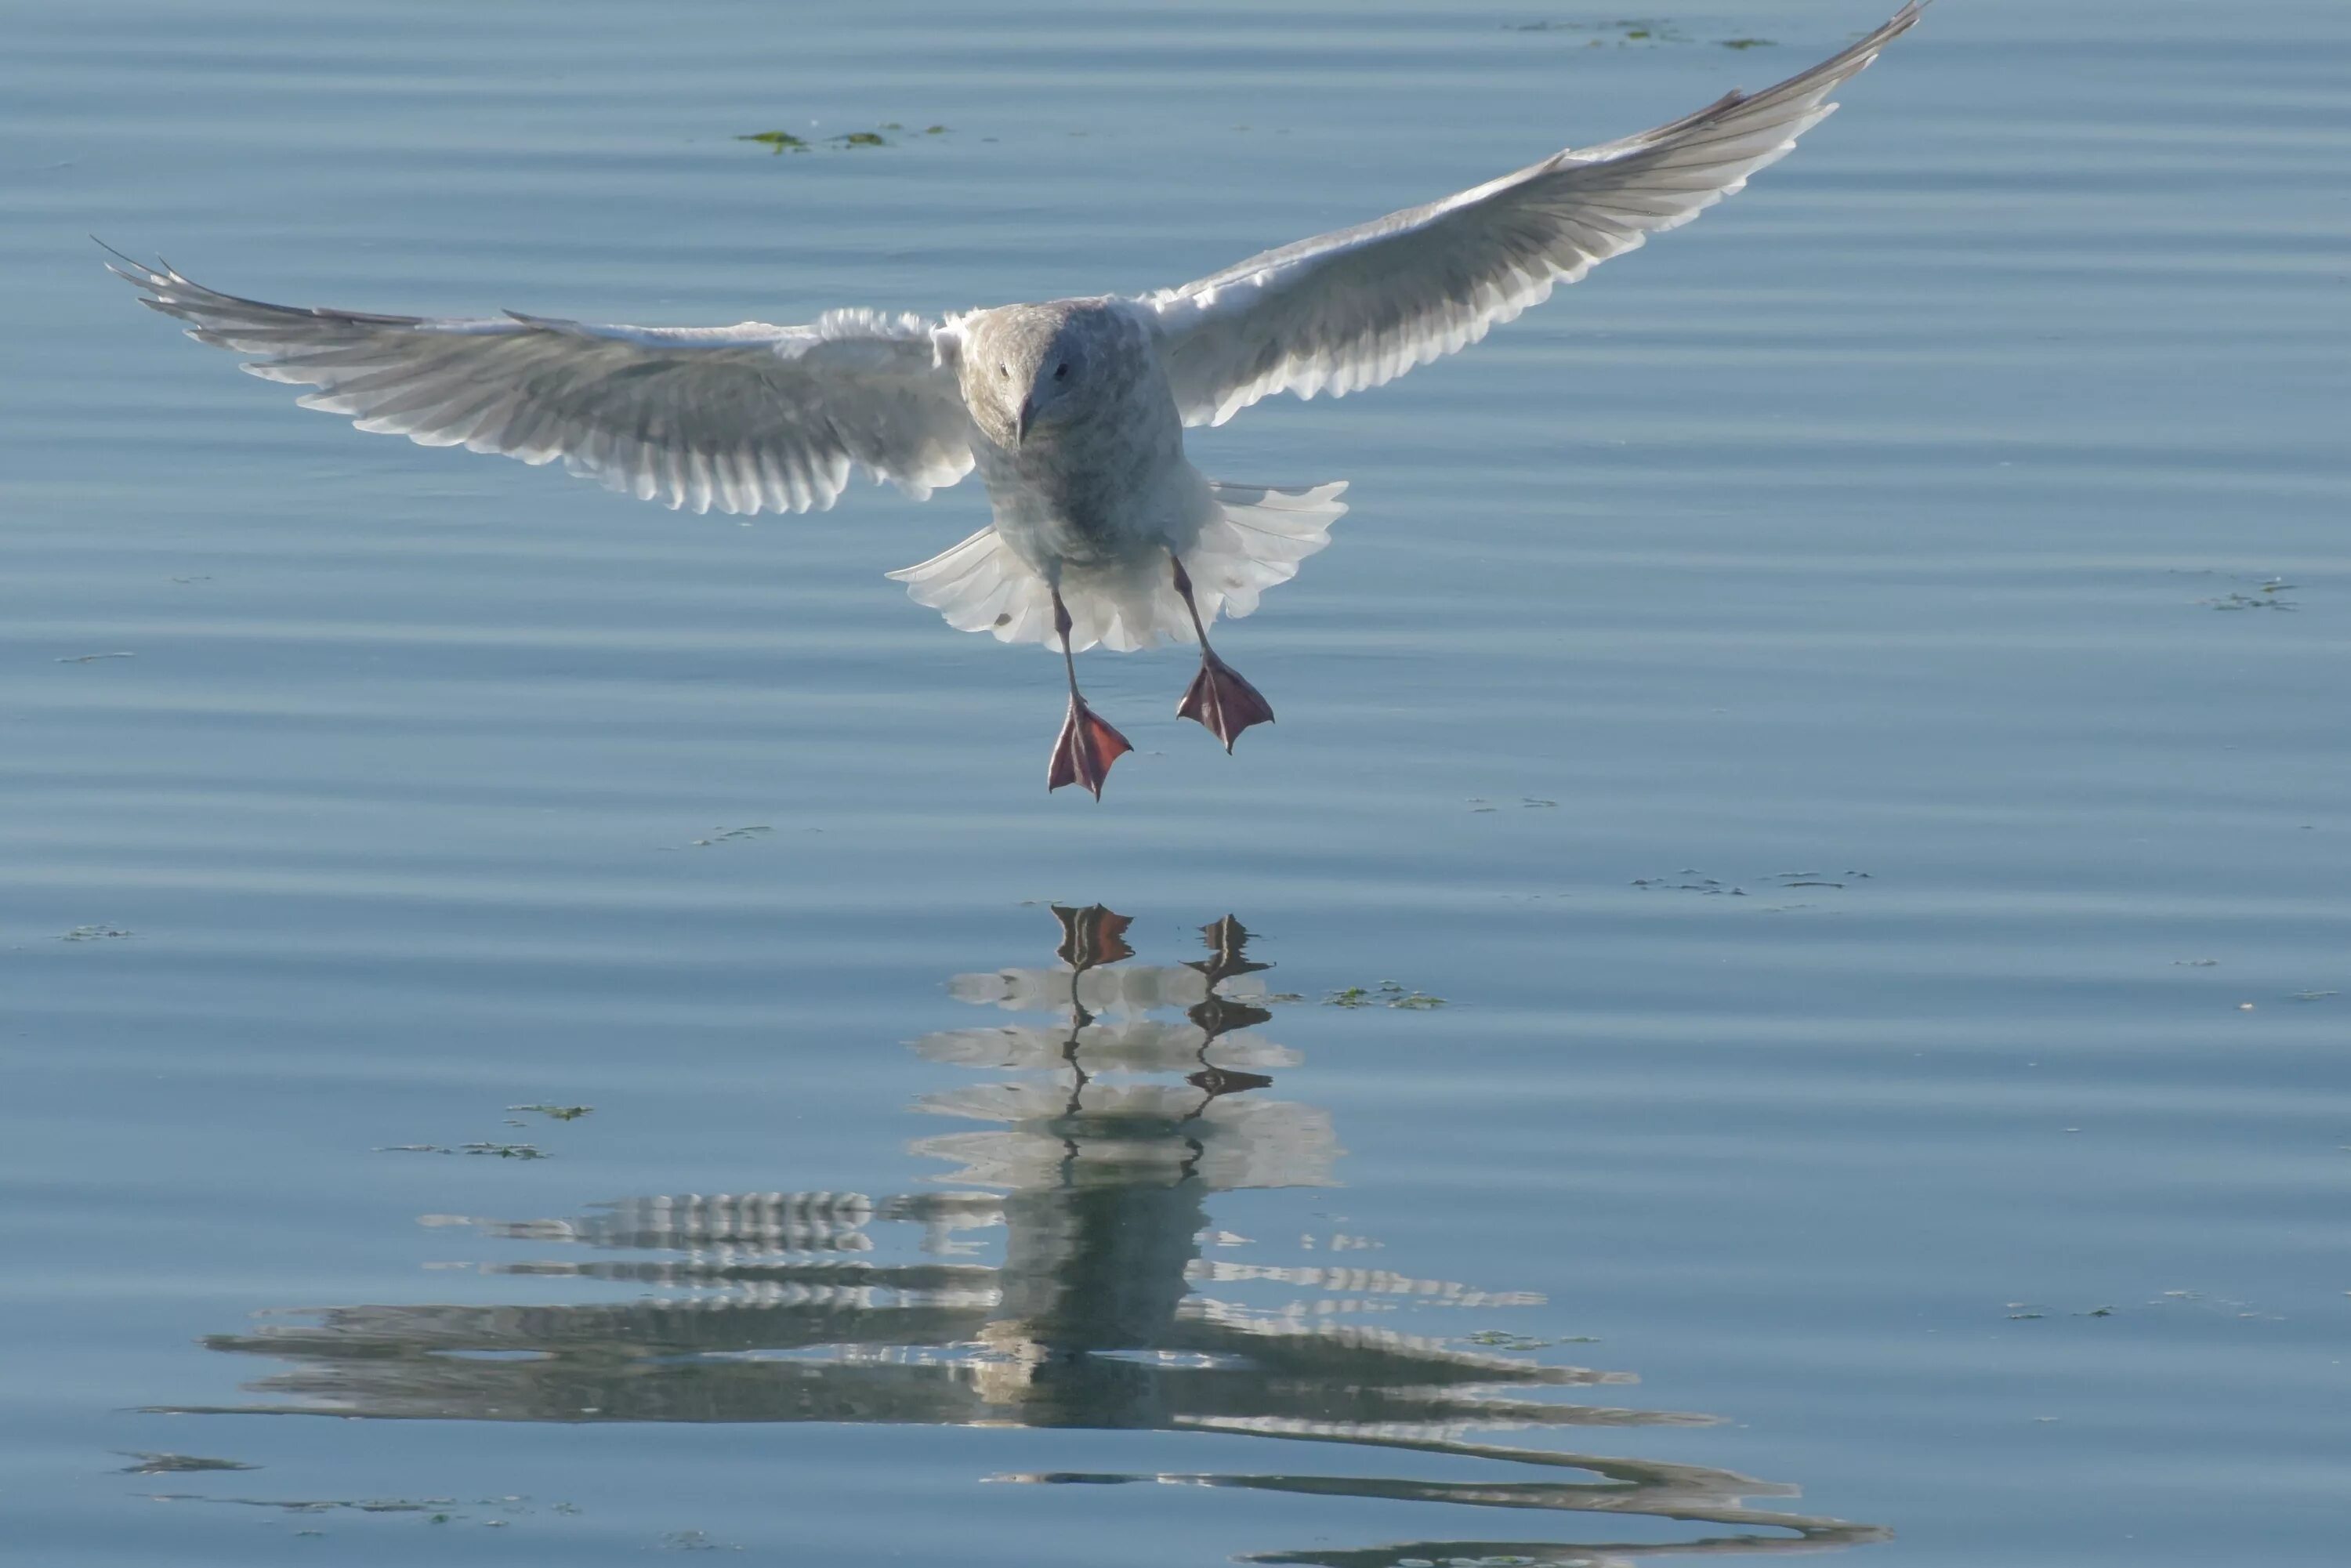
[1060, 373]
[1005, 371]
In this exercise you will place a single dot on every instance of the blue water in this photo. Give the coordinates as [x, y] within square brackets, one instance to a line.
[1834, 726]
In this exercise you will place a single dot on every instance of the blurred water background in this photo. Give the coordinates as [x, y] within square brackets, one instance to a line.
[1802, 866]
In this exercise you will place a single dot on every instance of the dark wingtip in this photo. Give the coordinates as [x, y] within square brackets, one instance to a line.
[139, 273]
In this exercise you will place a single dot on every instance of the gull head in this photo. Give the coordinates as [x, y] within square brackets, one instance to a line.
[1026, 369]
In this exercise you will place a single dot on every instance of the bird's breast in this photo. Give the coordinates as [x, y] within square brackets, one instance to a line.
[1105, 486]
[1077, 513]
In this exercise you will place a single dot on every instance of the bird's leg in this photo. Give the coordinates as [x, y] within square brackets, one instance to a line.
[1218, 697]
[1088, 746]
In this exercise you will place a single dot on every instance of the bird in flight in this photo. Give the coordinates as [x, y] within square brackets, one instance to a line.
[1073, 410]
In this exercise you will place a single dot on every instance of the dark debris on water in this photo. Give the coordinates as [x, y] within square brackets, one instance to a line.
[176, 1464]
[780, 141]
[1387, 993]
[502, 1151]
[556, 1112]
[1688, 880]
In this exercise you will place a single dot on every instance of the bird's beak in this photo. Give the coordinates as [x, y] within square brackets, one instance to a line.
[1021, 420]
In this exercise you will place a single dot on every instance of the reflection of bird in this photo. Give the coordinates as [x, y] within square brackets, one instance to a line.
[1102, 1154]
[1073, 410]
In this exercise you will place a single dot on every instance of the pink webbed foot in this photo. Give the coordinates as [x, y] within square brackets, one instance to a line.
[1087, 748]
[1224, 702]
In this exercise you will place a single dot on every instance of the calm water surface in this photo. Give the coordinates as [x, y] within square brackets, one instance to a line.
[1834, 727]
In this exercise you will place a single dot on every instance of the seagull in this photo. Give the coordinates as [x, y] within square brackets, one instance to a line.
[1073, 410]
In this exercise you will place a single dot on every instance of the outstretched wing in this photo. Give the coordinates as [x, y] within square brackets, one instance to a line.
[746, 419]
[1359, 308]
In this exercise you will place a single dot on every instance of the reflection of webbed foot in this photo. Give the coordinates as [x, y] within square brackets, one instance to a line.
[1228, 938]
[1219, 1081]
[1224, 702]
[1222, 1015]
[1091, 935]
[1087, 748]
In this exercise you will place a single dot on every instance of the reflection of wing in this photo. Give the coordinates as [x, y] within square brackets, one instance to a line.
[1359, 308]
[746, 418]
[1137, 1045]
[891, 1357]
[1359, 1281]
[631, 1361]
[1690, 1493]
[856, 1360]
[1126, 1134]
[1086, 1323]
[1303, 1344]
[754, 1224]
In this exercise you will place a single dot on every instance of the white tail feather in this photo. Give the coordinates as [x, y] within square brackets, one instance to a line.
[1257, 537]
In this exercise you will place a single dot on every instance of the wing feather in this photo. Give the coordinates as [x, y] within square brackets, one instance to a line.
[1359, 308]
[748, 418]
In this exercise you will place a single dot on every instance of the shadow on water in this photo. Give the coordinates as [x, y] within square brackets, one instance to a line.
[1147, 1094]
